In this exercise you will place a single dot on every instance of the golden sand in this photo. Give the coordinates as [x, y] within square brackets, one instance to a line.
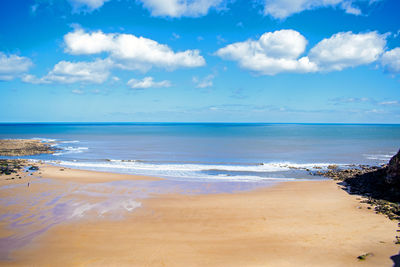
[291, 224]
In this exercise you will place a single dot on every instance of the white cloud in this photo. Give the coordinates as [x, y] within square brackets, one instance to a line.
[147, 82]
[273, 53]
[282, 9]
[72, 72]
[376, 111]
[77, 92]
[205, 82]
[131, 52]
[28, 78]
[180, 8]
[86, 5]
[349, 8]
[280, 51]
[390, 103]
[346, 49]
[391, 60]
[13, 65]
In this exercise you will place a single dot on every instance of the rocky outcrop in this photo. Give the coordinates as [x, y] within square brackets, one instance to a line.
[381, 185]
[342, 174]
[377, 182]
[393, 170]
[24, 147]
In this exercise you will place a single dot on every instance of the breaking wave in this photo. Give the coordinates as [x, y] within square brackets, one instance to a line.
[218, 172]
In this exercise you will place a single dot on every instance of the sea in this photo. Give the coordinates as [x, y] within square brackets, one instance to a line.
[212, 152]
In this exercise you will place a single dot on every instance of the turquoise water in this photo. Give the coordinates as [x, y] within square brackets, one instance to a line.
[213, 151]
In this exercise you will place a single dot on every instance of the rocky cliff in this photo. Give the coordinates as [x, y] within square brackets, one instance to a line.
[393, 170]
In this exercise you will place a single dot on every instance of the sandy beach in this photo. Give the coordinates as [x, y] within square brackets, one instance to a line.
[200, 133]
[70, 221]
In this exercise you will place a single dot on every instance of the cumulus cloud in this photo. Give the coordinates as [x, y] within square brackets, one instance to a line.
[147, 82]
[280, 51]
[180, 8]
[13, 65]
[71, 72]
[273, 53]
[130, 52]
[86, 5]
[205, 82]
[346, 49]
[282, 9]
[391, 61]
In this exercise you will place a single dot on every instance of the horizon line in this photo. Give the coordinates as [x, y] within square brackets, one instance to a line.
[204, 122]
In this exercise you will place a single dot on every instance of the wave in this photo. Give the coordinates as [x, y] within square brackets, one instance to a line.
[62, 145]
[69, 142]
[70, 150]
[140, 165]
[226, 172]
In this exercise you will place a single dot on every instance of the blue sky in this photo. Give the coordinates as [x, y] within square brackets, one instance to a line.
[319, 61]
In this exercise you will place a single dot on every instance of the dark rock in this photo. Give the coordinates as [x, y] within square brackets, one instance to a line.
[364, 256]
[381, 185]
[393, 170]
[9, 166]
[332, 167]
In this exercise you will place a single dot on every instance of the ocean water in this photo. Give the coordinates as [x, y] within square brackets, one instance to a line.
[213, 151]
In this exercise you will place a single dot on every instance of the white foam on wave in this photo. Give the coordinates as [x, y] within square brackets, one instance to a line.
[60, 144]
[70, 150]
[264, 167]
[226, 172]
[69, 142]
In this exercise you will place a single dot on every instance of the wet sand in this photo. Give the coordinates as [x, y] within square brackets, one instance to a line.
[82, 176]
[98, 219]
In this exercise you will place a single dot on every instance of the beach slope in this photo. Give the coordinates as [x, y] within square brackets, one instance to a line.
[313, 223]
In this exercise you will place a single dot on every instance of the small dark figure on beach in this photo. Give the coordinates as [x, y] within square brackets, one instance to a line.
[28, 184]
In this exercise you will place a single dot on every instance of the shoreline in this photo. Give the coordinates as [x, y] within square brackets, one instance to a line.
[287, 224]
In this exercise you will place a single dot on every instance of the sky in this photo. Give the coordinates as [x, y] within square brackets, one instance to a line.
[284, 61]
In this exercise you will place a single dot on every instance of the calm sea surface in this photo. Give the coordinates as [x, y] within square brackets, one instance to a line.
[211, 151]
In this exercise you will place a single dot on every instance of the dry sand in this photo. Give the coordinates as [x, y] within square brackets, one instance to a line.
[291, 224]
